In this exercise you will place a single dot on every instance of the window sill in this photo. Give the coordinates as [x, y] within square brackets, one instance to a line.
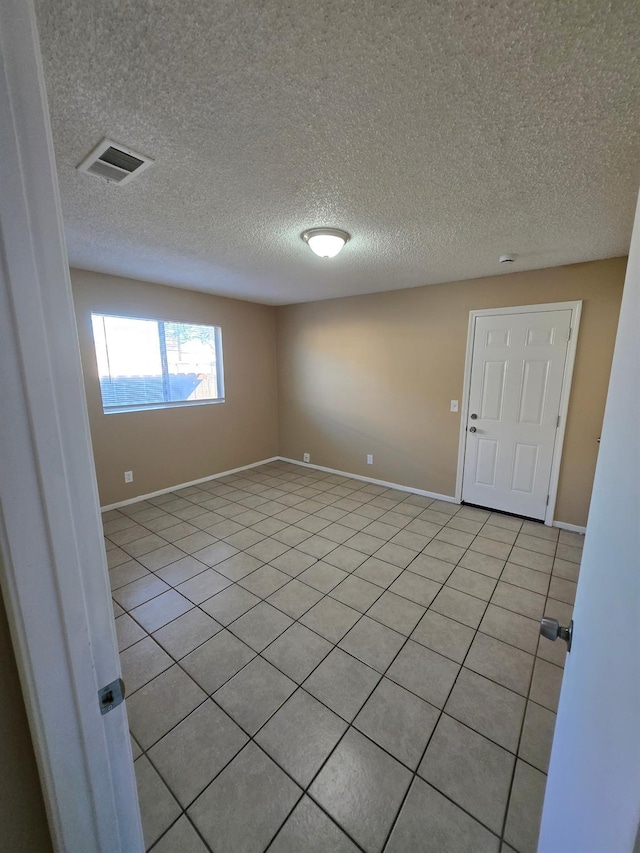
[118, 410]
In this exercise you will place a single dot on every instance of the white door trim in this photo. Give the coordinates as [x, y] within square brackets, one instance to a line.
[54, 577]
[576, 310]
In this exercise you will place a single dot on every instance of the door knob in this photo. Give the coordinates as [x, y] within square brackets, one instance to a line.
[472, 429]
[473, 417]
[552, 629]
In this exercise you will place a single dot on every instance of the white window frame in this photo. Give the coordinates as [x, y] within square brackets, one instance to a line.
[167, 404]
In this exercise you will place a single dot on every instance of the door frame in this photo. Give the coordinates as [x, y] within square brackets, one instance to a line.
[53, 573]
[567, 379]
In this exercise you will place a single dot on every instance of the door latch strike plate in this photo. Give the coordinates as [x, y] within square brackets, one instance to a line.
[110, 696]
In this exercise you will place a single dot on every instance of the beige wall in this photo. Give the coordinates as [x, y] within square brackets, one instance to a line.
[368, 374]
[376, 374]
[23, 821]
[165, 447]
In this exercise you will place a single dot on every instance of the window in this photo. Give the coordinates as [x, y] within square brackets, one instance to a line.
[156, 363]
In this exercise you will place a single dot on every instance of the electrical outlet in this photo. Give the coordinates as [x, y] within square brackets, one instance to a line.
[306, 457]
[454, 406]
[128, 476]
[369, 458]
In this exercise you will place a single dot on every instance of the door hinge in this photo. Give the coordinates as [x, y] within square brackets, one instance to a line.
[569, 335]
[558, 422]
[110, 696]
[548, 496]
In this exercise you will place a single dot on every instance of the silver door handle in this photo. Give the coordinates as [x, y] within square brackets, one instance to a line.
[472, 429]
[552, 629]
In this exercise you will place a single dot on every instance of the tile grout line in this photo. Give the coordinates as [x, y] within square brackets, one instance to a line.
[362, 613]
[251, 737]
[184, 809]
[328, 594]
[352, 573]
[424, 752]
[524, 717]
[351, 725]
[325, 595]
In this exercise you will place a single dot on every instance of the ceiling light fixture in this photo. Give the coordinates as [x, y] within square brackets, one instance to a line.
[325, 242]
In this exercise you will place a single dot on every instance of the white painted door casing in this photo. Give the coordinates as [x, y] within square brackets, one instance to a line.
[515, 390]
[55, 583]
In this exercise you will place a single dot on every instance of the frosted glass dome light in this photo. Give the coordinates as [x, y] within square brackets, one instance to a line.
[325, 242]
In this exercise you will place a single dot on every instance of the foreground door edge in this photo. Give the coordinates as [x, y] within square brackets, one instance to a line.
[592, 800]
[55, 583]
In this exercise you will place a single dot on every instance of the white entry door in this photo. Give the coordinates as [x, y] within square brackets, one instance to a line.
[517, 371]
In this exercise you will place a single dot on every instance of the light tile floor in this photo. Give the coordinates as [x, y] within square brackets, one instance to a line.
[314, 663]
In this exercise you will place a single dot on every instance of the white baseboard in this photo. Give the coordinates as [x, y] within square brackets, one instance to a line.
[373, 480]
[192, 483]
[574, 528]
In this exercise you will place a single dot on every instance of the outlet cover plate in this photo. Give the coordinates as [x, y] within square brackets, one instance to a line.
[128, 476]
[306, 457]
[454, 406]
[369, 458]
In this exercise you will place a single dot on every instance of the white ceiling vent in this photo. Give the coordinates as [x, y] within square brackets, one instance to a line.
[114, 163]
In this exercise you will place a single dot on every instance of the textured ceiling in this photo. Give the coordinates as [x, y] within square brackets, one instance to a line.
[440, 134]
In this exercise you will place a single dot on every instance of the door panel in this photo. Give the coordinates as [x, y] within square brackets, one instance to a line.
[534, 392]
[492, 395]
[539, 336]
[525, 466]
[517, 371]
[486, 462]
[498, 338]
